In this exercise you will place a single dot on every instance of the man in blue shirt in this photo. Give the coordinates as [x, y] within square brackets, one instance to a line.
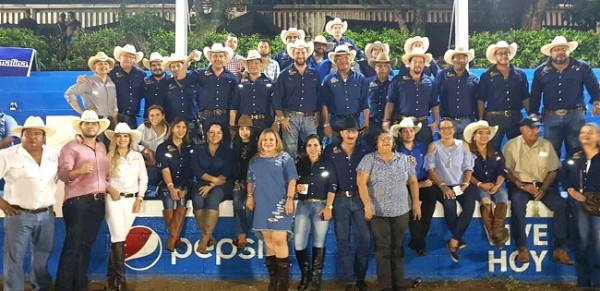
[180, 100]
[413, 95]
[420, 42]
[372, 50]
[503, 92]
[322, 46]
[348, 208]
[561, 81]
[377, 94]
[336, 28]
[153, 82]
[288, 36]
[345, 94]
[457, 89]
[129, 83]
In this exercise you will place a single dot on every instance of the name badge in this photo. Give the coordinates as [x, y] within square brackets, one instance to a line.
[543, 154]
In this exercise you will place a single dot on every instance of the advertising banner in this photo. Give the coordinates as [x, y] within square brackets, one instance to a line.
[16, 62]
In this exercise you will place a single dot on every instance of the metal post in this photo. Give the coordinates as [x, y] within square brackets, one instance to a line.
[181, 27]
[461, 34]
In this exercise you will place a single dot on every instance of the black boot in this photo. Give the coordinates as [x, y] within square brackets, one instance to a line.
[271, 264]
[283, 274]
[110, 271]
[304, 265]
[318, 256]
[118, 250]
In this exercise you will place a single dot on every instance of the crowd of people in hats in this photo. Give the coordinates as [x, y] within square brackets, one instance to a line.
[321, 132]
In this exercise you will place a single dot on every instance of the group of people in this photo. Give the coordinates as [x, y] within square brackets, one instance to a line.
[346, 139]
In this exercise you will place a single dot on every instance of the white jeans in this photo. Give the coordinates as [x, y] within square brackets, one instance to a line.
[119, 217]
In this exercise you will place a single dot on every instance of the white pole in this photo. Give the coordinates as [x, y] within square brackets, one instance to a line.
[181, 27]
[461, 34]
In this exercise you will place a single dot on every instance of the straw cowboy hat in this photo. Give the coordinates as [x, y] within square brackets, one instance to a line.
[174, 58]
[491, 50]
[559, 41]
[338, 21]
[122, 127]
[300, 43]
[218, 48]
[382, 57]
[370, 46]
[254, 55]
[90, 116]
[101, 57]
[411, 41]
[321, 39]
[459, 51]
[154, 57]
[473, 127]
[244, 120]
[342, 49]
[417, 52]
[129, 49]
[299, 32]
[406, 122]
[33, 122]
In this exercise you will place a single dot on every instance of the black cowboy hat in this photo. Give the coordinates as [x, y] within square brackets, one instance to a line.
[350, 123]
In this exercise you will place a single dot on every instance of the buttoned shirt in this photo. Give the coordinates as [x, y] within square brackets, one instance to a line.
[344, 165]
[152, 88]
[489, 169]
[563, 90]
[179, 100]
[377, 96]
[96, 95]
[74, 155]
[130, 89]
[130, 175]
[367, 70]
[579, 175]
[412, 98]
[345, 97]
[530, 164]
[418, 151]
[221, 164]
[150, 139]
[503, 94]
[283, 59]
[346, 40]
[29, 185]
[235, 66]
[387, 183]
[254, 97]
[214, 92]
[312, 61]
[320, 178]
[457, 95]
[450, 163]
[179, 162]
[298, 92]
[272, 70]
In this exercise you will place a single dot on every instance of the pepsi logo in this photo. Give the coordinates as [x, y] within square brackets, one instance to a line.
[143, 248]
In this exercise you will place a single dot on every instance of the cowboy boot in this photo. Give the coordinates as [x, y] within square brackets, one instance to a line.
[168, 216]
[283, 274]
[110, 271]
[271, 264]
[487, 220]
[500, 232]
[212, 217]
[200, 217]
[175, 228]
[118, 250]
[318, 257]
[304, 265]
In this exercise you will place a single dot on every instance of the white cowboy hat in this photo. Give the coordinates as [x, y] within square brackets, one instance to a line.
[255, 55]
[559, 41]
[473, 127]
[409, 43]
[491, 50]
[174, 58]
[370, 46]
[331, 23]
[406, 122]
[90, 116]
[417, 52]
[218, 48]
[100, 57]
[459, 51]
[293, 30]
[341, 49]
[122, 127]
[321, 39]
[154, 57]
[382, 57]
[300, 43]
[33, 122]
[130, 49]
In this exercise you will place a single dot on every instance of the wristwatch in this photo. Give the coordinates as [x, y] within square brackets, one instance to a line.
[330, 206]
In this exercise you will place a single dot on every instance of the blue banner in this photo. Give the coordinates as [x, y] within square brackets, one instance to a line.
[16, 62]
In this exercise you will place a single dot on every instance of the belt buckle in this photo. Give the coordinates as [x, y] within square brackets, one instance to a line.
[97, 196]
[507, 113]
[347, 194]
[561, 112]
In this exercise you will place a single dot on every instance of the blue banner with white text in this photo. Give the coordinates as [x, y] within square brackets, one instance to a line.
[16, 62]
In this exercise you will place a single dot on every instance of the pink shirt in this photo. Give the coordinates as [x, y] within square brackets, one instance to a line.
[72, 156]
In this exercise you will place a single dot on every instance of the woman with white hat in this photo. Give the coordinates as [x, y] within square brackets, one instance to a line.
[128, 184]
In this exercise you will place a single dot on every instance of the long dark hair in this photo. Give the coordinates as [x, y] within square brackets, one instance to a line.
[303, 164]
[490, 152]
[186, 137]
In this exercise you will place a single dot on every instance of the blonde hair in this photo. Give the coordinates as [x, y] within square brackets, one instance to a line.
[263, 134]
[114, 156]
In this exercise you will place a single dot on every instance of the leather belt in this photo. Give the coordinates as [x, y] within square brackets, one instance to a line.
[91, 196]
[346, 193]
[255, 116]
[312, 200]
[299, 113]
[536, 184]
[215, 112]
[505, 113]
[127, 195]
[32, 211]
[563, 112]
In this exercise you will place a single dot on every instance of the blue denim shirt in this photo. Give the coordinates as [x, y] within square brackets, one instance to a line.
[458, 96]
[283, 59]
[345, 97]
[297, 92]
[488, 170]
[562, 90]
[502, 94]
[410, 98]
[574, 169]
[152, 92]
[320, 177]
[312, 63]
[377, 96]
[130, 89]
[419, 151]
[179, 100]
[214, 92]
[178, 162]
[345, 167]
[221, 164]
[254, 97]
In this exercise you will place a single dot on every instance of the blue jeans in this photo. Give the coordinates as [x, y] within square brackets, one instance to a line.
[564, 128]
[307, 218]
[459, 126]
[587, 247]
[348, 211]
[242, 217]
[458, 224]
[507, 125]
[169, 203]
[552, 200]
[23, 230]
[212, 200]
[83, 218]
[501, 195]
[301, 126]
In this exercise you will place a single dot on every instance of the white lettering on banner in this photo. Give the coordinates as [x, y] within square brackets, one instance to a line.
[14, 63]
[540, 238]
[247, 254]
[539, 231]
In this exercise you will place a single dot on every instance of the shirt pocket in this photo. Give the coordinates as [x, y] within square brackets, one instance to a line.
[21, 171]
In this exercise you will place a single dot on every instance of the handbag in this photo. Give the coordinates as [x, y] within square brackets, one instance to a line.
[591, 205]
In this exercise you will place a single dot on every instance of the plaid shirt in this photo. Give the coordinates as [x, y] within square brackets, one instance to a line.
[234, 65]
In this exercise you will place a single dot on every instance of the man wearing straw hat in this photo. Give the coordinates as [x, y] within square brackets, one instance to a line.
[29, 170]
[83, 167]
[413, 95]
[421, 43]
[372, 50]
[288, 36]
[336, 28]
[153, 83]
[378, 92]
[561, 81]
[129, 82]
[322, 46]
[503, 92]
